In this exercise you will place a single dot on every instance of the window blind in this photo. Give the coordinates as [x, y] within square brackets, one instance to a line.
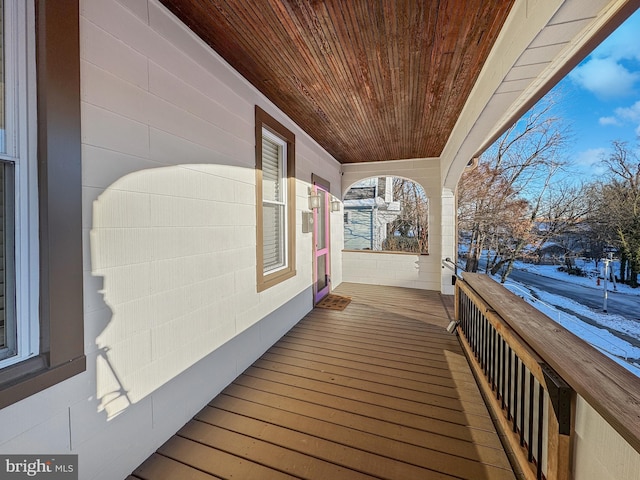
[273, 203]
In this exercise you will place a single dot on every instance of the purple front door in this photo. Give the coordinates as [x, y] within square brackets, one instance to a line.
[321, 263]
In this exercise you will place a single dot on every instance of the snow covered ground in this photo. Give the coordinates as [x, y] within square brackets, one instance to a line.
[617, 348]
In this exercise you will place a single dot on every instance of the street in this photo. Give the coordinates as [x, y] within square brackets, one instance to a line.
[627, 306]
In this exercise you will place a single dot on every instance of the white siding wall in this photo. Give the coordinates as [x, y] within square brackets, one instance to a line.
[171, 309]
[394, 269]
[449, 239]
[599, 452]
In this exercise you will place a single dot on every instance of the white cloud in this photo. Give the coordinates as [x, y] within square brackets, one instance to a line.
[611, 71]
[589, 162]
[631, 113]
[624, 116]
[604, 121]
[605, 78]
[623, 43]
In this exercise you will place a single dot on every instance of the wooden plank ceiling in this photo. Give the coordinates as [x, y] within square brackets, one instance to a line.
[367, 79]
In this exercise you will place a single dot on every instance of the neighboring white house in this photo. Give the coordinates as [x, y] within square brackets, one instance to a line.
[369, 208]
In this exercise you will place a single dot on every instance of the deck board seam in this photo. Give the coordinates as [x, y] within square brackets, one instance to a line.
[372, 382]
[334, 350]
[377, 394]
[355, 377]
[373, 353]
[353, 428]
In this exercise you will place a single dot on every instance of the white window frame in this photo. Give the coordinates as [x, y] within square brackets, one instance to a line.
[283, 178]
[21, 151]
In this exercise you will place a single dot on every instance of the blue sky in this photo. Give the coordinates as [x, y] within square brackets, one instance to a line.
[600, 99]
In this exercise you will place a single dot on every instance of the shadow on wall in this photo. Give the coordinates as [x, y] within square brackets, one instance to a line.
[176, 249]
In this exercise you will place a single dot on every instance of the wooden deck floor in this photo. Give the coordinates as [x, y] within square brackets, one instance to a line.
[379, 390]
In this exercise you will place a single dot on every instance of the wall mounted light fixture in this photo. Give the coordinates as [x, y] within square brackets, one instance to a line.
[314, 201]
[335, 205]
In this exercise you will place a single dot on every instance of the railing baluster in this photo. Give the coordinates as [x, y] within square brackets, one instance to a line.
[474, 334]
[462, 307]
[509, 373]
[496, 373]
[540, 427]
[481, 346]
[530, 417]
[515, 393]
[491, 356]
[478, 336]
[474, 330]
[481, 343]
[486, 345]
[503, 347]
[494, 366]
[499, 369]
[522, 401]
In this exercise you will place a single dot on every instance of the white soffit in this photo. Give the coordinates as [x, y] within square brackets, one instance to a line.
[569, 29]
[575, 23]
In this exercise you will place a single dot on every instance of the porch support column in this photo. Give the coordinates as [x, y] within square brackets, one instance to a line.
[448, 238]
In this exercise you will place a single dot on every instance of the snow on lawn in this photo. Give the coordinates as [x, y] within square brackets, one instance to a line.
[615, 347]
[588, 267]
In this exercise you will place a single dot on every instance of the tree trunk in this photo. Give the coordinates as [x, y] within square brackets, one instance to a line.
[496, 268]
[507, 271]
[491, 261]
[633, 280]
[475, 251]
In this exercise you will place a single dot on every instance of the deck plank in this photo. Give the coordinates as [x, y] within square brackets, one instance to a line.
[418, 399]
[382, 442]
[216, 462]
[287, 413]
[311, 456]
[379, 390]
[320, 370]
[380, 354]
[365, 420]
[428, 372]
[158, 467]
[358, 402]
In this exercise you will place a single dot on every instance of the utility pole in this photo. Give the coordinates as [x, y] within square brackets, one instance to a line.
[607, 261]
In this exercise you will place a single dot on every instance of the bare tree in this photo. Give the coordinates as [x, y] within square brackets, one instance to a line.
[410, 230]
[503, 202]
[488, 209]
[616, 210]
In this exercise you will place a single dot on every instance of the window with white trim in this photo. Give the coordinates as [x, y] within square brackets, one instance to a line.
[41, 165]
[19, 326]
[275, 201]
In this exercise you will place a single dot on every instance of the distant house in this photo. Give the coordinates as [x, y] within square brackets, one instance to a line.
[571, 242]
[369, 210]
[552, 253]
